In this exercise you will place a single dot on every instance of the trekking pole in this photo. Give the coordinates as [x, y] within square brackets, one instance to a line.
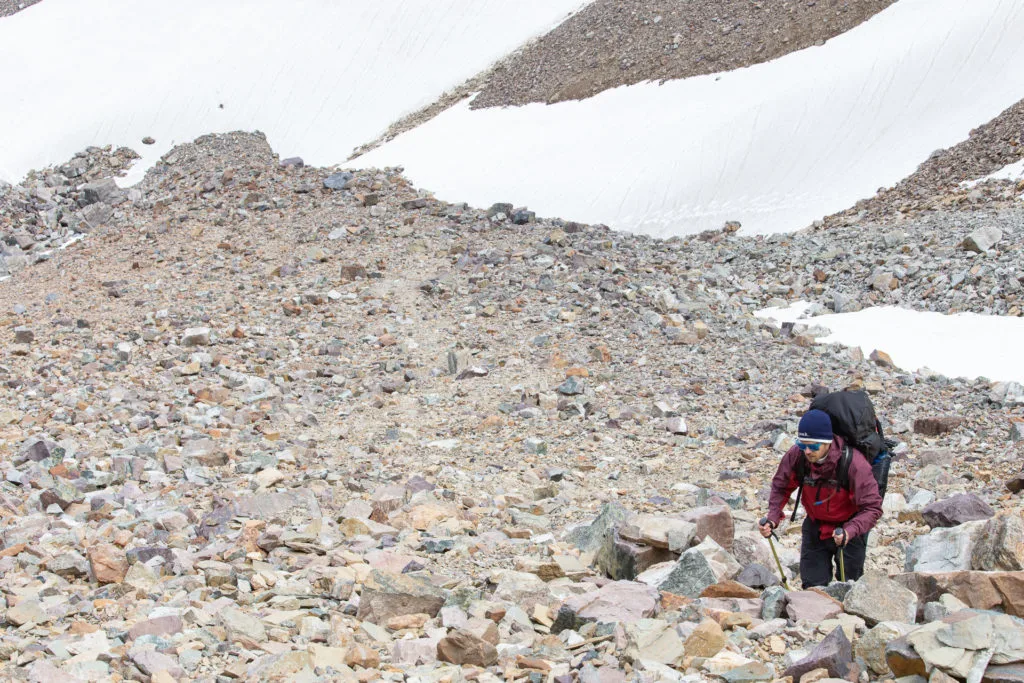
[778, 563]
[842, 563]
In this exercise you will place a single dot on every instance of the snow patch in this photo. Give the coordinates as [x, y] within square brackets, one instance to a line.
[319, 77]
[774, 146]
[960, 345]
[1013, 172]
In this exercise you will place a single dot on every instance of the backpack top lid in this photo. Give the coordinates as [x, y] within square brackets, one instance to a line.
[853, 418]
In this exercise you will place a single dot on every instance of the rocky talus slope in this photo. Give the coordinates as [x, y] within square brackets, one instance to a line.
[611, 43]
[937, 185]
[274, 422]
[9, 7]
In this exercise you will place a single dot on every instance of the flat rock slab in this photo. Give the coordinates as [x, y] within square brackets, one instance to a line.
[878, 598]
[621, 602]
[811, 606]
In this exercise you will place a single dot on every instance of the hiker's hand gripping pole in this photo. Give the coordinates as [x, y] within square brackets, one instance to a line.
[765, 524]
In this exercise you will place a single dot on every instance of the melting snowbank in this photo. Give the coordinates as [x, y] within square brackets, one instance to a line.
[1013, 172]
[319, 77]
[960, 345]
[775, 146]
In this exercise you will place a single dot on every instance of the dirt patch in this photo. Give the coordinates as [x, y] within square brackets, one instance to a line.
[613, 43]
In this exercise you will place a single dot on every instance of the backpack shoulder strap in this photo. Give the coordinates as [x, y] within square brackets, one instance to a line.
[801, 473]
[843, 468]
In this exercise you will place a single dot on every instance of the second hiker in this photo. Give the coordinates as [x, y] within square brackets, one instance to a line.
[842, 507]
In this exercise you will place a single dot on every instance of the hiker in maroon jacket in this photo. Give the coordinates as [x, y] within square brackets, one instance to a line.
[837, 515]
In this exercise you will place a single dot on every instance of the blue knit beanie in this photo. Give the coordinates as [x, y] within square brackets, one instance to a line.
[815, 425]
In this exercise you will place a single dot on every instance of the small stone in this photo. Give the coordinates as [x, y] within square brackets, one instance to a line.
[463, 647]
[338, 181]
[706, 640]
[362, 656]
[196, 336]
[242, 628]
[108, 563]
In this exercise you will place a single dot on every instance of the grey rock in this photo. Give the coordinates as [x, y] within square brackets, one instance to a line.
[877, 598]
[591, 537]
[758, 576]
[871, 646]
[982, 239]
[572, 386]
[151, 662]
[241, 627]
[1000, 546]
[688, 576]
[944, 549]
[773, 603]
[69, 565]
[338, 181]
[105, 191]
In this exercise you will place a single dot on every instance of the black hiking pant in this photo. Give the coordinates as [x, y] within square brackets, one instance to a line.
[819, 559]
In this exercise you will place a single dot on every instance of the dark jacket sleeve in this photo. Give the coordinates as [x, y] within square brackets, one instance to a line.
[865, 496]
[783, 484]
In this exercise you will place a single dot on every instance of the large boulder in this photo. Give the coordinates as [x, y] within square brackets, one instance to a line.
[1000, 546]
[624, 560]
[714, 521]
[878, 598]
[980, 590]
[659, 531]
[707, 640]
[944, 549]
[956, 510]
[620, 602]
[722, 562]
[386, 595]
[871, 646]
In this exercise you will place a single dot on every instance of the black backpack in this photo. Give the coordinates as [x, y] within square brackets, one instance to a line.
[853, 418]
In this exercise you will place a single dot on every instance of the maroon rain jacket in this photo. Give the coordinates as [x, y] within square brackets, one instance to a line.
[857, 510]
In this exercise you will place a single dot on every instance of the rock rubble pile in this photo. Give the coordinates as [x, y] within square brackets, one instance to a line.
[275, 422]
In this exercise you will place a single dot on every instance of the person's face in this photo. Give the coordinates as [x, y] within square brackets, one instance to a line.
[814, 452]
